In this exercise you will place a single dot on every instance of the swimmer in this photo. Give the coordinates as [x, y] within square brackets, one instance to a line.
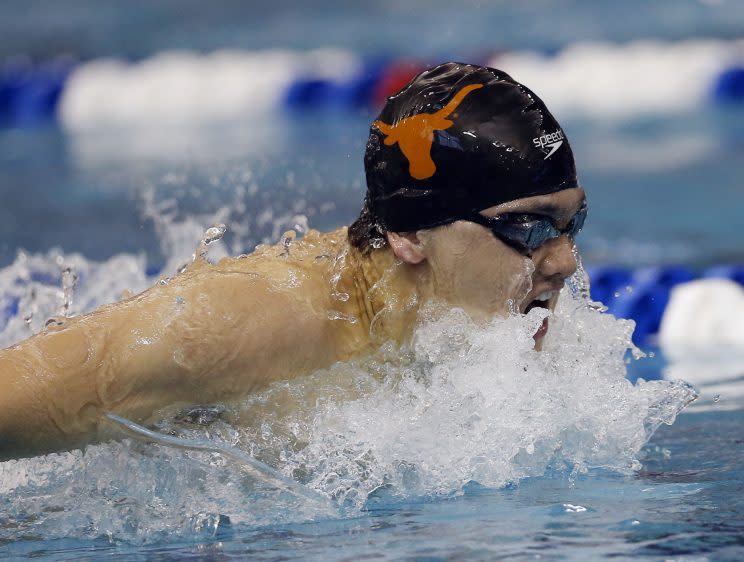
[472, 201]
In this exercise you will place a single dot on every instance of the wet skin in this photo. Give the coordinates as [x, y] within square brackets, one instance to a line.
[464, 264]
[218, 332]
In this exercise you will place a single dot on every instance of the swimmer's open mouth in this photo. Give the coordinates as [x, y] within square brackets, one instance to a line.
[542, 300]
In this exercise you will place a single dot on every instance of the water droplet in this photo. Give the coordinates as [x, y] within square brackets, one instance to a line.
[716, 398]
[214, 233]
[69, 280]
[30, 307]
[336, 315]
[287, 239]
[578, 283]
[300, 223]
[54, 322]
[377, 243]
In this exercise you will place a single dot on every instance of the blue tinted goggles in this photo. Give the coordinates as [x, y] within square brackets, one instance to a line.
[526, 232]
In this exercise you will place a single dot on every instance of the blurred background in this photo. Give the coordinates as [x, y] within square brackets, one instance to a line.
[131, 127]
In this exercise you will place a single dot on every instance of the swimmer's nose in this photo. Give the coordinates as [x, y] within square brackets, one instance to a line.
[556, 259]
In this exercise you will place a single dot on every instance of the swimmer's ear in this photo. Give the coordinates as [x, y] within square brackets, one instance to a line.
[406, 246]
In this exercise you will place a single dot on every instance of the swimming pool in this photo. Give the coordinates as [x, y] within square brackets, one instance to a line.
[436, 462]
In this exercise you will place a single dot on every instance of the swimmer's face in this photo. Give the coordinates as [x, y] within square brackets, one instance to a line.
[469, 267]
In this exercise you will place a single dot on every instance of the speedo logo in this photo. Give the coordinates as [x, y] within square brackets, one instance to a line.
[551, 140]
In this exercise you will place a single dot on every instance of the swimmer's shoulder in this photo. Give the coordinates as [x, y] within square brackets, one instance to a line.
[314, 252]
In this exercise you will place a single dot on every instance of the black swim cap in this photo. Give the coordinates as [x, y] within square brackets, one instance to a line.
[461, 138]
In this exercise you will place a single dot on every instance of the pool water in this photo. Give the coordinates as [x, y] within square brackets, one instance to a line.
[685, 504]
[474, 447]
[477, 449]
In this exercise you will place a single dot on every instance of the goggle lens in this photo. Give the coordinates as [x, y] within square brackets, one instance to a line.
[528, 235]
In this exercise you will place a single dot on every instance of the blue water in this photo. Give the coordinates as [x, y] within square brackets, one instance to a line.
[662, 189]
[687, 503]
[416, 27]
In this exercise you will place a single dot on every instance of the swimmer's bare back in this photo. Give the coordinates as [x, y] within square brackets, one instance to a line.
[212, 333]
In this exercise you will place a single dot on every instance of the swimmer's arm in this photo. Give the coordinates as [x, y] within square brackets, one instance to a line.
[202, 338]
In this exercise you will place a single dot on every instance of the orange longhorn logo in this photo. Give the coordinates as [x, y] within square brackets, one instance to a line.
[415, 134]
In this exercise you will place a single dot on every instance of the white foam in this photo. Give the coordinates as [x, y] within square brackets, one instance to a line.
[34, 282]
[478, 403]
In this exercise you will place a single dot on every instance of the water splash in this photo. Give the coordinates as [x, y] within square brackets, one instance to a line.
[69, 280]
[287, 239]
[262, 470]
[213, 234]
[48, 288]
[462, 402]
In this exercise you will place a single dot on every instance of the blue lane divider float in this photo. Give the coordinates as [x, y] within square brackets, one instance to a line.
[355, 92]
[643, 294]
[732, 272]
[729, 87]
[31, 93]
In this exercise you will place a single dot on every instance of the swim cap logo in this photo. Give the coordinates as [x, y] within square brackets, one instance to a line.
[552, 140]
[415, 134]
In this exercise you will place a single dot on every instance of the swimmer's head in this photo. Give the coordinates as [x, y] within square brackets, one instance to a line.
[458, 139]
[472, 182]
